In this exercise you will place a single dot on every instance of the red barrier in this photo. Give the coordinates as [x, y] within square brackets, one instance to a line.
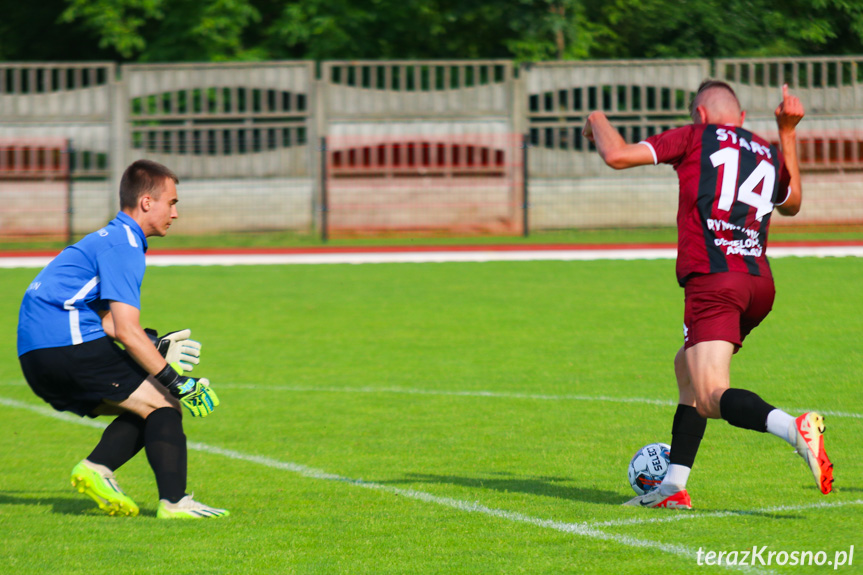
[42, 158]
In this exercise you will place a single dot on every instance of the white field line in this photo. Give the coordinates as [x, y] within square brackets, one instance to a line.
[478, 255]
[479, 393]
[496, 394]
[580, 529]
[456, 393]
[373, 257]
[711, 514]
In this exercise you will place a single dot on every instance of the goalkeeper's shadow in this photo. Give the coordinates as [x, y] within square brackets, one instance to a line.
[60, 503]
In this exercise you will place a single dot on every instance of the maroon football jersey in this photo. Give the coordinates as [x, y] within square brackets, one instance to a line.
[730, 179]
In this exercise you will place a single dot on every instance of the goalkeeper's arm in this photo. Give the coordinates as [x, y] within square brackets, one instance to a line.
[177, 348]
[194, 394]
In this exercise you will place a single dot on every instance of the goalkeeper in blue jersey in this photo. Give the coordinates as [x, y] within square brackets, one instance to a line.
[85, 300]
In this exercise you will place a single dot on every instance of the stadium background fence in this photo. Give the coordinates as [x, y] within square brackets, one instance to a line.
[357, 147]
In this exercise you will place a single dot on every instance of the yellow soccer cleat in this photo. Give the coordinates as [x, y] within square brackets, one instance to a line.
[188, 508]
[98, 483]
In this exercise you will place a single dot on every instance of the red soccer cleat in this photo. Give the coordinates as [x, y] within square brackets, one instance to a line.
[810, 446]
[679, 500]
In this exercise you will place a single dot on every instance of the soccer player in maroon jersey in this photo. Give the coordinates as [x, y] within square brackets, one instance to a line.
[730, 181]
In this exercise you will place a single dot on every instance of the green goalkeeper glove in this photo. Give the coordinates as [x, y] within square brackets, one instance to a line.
[196, 395]
[177, 348]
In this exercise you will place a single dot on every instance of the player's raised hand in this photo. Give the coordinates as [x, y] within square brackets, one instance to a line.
[790, 110]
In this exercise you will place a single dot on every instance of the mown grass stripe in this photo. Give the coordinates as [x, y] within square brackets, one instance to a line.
[581, 529]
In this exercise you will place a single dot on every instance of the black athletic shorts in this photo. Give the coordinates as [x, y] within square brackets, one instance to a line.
[77, 378]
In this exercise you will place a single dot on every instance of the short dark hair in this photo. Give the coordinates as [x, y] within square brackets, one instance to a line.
[707, 85]
[143, 177]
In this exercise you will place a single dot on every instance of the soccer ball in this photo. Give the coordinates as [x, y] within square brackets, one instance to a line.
[648, 467]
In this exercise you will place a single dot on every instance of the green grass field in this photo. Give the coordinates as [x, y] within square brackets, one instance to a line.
[450, 418]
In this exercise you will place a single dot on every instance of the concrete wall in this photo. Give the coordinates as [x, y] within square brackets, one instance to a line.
[245, 138]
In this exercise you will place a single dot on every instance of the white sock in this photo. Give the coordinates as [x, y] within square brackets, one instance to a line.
[782, 425]
[675, 480]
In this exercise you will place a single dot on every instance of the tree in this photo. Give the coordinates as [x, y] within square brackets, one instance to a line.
[728, 28]
[532, 30]
[555, 30]
[29, 31]
[168, 30]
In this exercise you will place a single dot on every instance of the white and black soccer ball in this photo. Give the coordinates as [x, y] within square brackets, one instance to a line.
[648, 467]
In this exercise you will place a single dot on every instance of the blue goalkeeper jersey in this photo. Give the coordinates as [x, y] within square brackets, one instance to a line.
[61, 306]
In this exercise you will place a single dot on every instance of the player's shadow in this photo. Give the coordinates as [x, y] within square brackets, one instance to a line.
[558, 487]
[848, 489]
[791, 513]
[59, 503]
